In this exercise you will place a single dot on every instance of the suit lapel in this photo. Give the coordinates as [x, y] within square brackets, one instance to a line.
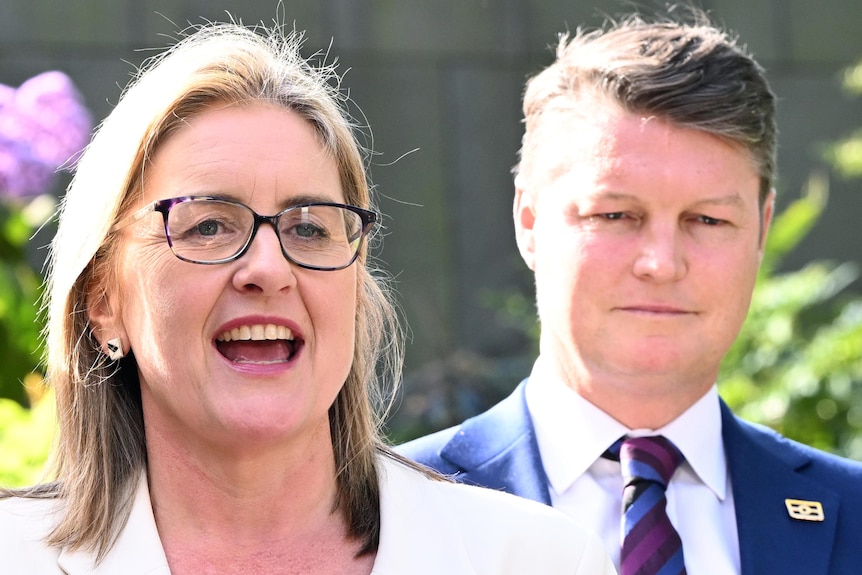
[764, 474]
[498, 449]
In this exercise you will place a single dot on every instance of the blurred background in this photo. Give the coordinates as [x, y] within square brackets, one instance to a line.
[439, 83]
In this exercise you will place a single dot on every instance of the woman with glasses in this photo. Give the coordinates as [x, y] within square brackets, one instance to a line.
[218, 339]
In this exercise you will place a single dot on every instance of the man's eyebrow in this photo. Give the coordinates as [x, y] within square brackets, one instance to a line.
[728, 200]
[609, 195]
[733, 199]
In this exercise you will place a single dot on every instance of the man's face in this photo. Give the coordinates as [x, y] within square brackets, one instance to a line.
[645, 239]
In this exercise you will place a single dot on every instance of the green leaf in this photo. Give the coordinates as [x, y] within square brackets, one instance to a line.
[792, 225]
[846, 155]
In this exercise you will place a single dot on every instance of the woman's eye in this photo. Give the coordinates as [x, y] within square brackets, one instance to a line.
[207, 228]
[307, 230]
[614, 215]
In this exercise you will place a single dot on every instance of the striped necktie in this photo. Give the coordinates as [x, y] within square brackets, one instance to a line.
[650, 544]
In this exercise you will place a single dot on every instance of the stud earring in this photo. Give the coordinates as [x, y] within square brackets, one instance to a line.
[115, 349]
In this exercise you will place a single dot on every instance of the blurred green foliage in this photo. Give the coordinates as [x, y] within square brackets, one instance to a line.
[846, 154]
[797, 364]
[20, 292]
[26, 412]
[25, 440]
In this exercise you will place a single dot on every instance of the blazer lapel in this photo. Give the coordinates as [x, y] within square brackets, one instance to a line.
[764, 476]
[498, 449]
[412, 516]
[137, 551]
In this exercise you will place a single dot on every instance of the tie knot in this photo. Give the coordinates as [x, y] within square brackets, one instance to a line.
[652, 458]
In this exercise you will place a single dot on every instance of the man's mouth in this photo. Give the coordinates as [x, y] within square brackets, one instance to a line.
[258, 343]
[655, 309]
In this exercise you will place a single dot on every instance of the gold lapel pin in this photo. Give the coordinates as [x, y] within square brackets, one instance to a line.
[804, 510]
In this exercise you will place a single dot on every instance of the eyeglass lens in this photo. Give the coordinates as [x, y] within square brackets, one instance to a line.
[318, 236]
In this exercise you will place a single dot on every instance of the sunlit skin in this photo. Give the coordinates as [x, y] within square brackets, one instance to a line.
[238, 450]
[645, 240]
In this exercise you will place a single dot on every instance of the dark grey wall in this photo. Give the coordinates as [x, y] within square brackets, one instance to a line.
[444, 78]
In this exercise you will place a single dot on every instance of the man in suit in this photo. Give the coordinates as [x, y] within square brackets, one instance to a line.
[643, 197]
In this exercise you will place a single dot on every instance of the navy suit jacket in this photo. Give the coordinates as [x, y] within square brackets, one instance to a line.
[498, 449]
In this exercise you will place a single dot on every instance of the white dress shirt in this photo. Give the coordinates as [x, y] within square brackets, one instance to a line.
[572, 434]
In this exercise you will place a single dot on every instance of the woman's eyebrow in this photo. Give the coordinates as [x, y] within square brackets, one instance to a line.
[309, 199]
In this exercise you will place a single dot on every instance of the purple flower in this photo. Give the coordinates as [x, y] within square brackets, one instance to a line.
[44, 125]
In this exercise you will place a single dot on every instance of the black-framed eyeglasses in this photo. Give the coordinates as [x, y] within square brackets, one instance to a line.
[208, 230]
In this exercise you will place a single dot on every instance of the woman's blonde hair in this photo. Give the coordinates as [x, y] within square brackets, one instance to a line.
[101, 451]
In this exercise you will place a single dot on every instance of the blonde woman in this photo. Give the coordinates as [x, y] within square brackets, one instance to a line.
[215, 339]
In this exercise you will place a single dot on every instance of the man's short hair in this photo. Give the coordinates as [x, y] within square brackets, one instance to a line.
[692, 75]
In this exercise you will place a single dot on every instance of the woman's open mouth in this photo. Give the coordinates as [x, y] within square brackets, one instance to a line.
[258, 343]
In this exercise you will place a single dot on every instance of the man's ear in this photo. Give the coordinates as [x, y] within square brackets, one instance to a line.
[106, 322]
[524, 213]
[766, 219]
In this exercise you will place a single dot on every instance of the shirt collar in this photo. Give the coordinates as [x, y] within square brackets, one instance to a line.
[697, 434]
[572, 433]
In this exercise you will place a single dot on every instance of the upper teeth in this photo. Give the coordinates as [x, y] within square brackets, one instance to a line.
[259, 332]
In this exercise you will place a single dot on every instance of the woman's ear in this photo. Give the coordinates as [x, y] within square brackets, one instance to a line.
[106, 322]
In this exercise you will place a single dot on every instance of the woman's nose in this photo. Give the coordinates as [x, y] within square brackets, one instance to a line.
[264, 268]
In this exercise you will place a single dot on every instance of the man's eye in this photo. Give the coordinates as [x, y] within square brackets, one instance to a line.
[614, 215]
[710, 221]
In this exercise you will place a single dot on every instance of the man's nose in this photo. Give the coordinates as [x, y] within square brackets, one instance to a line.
[661, 256]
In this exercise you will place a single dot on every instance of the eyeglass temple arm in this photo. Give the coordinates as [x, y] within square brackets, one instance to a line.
[133, 217]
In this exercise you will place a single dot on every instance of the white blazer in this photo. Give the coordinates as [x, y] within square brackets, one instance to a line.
[427, 527]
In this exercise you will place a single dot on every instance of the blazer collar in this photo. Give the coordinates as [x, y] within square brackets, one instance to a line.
[765, 473]
[137, 551]
[406, 527]
[498, 449]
